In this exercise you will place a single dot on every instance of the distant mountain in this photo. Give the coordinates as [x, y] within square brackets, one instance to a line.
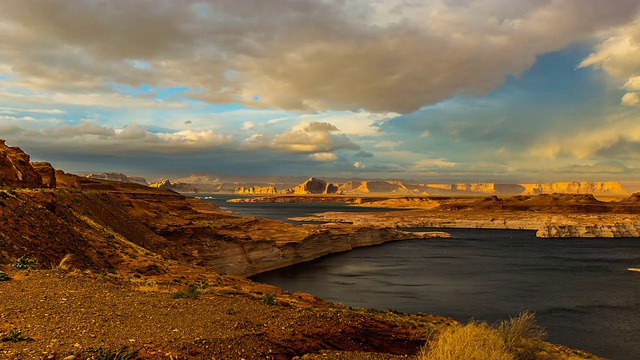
[119, 177]
[177, 186]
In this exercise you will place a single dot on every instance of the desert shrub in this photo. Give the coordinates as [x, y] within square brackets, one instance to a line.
[15, 336]
[24, 263]
[191, 293]
[518, 338]
[474, 341]
[121, 354]
[269, 299]
[4, 276]
[522, 335]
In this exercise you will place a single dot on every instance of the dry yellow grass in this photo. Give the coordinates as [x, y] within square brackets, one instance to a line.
[474, 341]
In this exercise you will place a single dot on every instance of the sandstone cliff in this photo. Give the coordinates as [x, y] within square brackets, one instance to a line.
[177, 187]
[15, 168]
[374, 186]
[313, 186]
[256, 190]
[592, 230]
[119, 177]
[574, 187]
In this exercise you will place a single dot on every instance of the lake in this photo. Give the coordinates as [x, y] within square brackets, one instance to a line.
[579, 288]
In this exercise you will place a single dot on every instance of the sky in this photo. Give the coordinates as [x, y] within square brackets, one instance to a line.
[433, 90]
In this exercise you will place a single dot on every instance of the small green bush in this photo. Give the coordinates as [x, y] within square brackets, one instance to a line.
[121, 354]
[24, 263]
[15, 335]
[269, 299]
[191, 293]
[4, 276]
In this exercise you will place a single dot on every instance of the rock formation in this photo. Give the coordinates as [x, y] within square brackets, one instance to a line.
[256, 190]
[46, 172]
[15, 168]
[67, 181]
[582, 230]
[177, 187]
[119, 177]
[374, 186]
[313, 186]
[574, 187]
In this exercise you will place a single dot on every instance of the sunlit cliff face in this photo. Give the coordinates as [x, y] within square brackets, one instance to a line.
[470, 90]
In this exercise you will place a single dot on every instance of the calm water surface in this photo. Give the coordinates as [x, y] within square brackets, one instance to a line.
[579, 288]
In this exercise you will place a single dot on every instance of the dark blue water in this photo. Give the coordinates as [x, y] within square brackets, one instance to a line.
[580, 288]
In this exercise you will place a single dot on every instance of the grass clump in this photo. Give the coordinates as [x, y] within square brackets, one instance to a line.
[4, 276]
[269, 299]
[518, 338]
[192, 292]
[522, 335]
[25, 263]
[121, 354]
[15, 335]
[474, 341]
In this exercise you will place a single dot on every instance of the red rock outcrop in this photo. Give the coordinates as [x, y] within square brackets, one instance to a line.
[47, 173]
[15, 168]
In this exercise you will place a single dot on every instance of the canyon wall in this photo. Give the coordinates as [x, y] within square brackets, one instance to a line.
[253, 257]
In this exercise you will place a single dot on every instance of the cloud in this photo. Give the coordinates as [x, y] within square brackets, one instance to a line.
[324, 157]
[248, 125]
[609, 167]
[359, 165]
[619, 56]
[631, 99]
[91, 138]
[432, 164]
[363, 154]
[303, 138]
[304, 55]
[616, 137]
[360, 123]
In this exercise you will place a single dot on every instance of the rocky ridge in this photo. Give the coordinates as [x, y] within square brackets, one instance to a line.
[119, 177]
[177, 187]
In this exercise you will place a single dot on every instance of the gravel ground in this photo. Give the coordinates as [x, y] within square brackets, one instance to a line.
[72, 315]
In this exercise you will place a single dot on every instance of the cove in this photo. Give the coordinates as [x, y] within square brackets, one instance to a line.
[579, 288]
